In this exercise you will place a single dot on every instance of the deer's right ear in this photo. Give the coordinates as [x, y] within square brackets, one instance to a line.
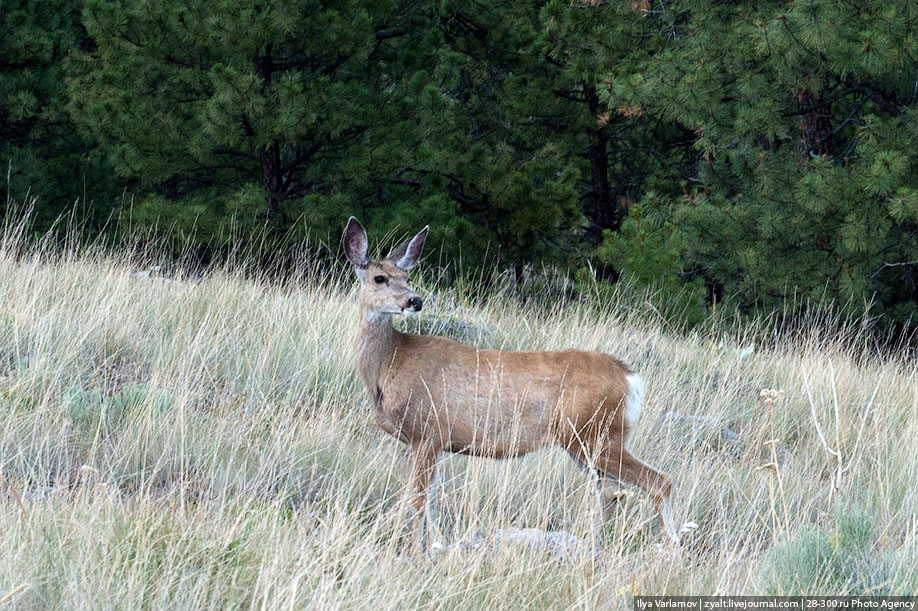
[355, 244]
[406, 255]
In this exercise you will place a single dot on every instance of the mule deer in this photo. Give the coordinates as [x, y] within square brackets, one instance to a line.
[438, 395]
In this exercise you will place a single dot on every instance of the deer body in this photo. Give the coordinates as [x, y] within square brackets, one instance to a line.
[437, 395]
[490, 403]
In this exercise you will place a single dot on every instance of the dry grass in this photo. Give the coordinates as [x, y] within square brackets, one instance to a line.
[207, 444]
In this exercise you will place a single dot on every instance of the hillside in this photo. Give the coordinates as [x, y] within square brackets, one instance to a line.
[206, 443]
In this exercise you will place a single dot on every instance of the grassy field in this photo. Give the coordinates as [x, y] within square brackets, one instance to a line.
[206, 444]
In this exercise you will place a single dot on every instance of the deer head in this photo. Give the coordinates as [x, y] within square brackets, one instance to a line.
[384, 288]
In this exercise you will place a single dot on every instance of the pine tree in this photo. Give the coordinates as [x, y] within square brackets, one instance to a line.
[228, 112]
[499, 164]
[521, 142]
[804, 116]
[39, 147]
[758, 152]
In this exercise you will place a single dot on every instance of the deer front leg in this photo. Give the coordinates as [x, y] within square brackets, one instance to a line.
[425, 466]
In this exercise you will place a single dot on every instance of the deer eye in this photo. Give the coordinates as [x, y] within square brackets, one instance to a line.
[379, 279]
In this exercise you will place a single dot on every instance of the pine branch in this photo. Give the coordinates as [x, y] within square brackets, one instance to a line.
[235, 153]
[171, 59]
[384, 35]
[900, 264]
[305, 155]
[567, 96]
[885, 100]
[417, 184]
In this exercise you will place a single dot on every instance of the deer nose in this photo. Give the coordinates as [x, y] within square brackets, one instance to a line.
[415, 303]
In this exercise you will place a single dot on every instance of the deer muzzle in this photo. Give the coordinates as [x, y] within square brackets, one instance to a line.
[415, 304]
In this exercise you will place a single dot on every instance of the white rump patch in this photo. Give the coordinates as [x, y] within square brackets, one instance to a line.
[634, 398]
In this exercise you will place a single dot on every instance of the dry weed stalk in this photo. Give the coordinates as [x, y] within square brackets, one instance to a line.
[840, 467]
[18, 499]
[17, 590]
[769, 397]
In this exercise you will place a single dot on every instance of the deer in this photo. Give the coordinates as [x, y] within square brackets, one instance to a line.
[438, 395]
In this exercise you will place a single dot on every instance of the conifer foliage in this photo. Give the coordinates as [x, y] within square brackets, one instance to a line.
[237, 110]
[803, 170]
[40, 149]
[745, 153]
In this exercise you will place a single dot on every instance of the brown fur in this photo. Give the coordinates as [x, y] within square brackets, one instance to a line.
[436, 395]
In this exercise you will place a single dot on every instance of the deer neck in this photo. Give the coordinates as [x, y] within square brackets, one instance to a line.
[377, 343]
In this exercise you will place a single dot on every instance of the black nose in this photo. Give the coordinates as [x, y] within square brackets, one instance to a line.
[415, 303]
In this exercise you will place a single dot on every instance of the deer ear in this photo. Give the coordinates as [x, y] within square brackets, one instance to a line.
[355, 244]
[406, 255]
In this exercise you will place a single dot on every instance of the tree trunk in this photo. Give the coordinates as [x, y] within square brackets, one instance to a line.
[816, 124]
[603, 212]
[269, 156]
[602, 209]
[272, 181]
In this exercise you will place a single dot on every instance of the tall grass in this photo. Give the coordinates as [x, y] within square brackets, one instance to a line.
[206, 443]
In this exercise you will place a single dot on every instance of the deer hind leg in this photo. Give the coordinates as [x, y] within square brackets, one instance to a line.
[625, 467]
[607, 487]
[424, 495]
[608, 492]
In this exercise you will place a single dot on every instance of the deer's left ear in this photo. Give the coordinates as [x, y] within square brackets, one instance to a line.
[355, 244]
[406, 255]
